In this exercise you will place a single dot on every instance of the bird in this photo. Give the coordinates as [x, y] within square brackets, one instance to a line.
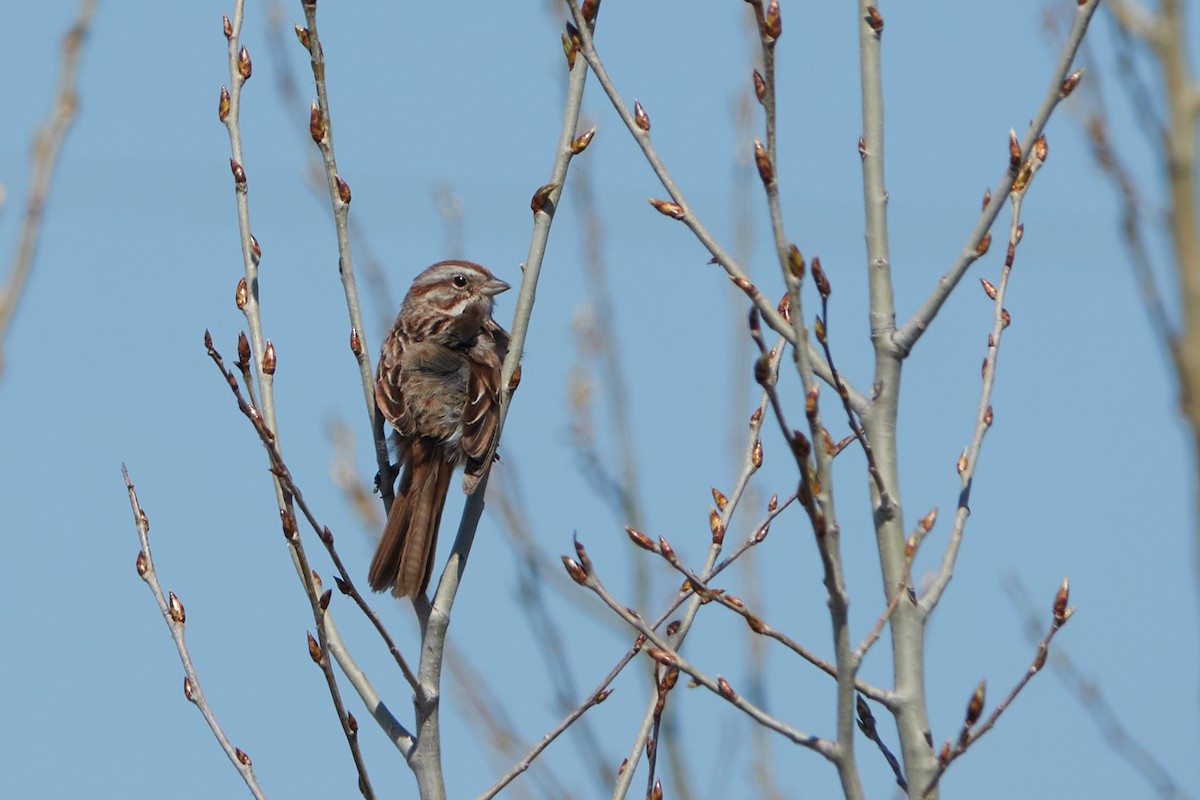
[438, 385]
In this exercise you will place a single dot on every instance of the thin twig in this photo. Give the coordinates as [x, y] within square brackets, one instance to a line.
[971, 733]
[969, 460]
[907, 335]
[174, 615]
[668, 657]
[47, 144]
[321, 129]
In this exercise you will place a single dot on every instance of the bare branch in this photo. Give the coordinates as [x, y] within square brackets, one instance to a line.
[173, 614]
[46, 146]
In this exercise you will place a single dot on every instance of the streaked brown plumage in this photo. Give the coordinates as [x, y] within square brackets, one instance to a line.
[438, 384]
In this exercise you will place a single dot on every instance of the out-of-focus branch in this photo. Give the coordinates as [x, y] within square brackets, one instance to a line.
[1114, 731]
[175, 616]
[47, 144]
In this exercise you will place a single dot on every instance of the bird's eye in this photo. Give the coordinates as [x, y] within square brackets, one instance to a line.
[460, 281]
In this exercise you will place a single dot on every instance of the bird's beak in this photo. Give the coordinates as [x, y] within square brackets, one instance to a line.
[494, 287]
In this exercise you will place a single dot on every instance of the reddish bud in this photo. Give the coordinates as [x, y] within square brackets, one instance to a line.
[719, 499]
[927, 521]
[756, 454]
[241, 296]
[1070, 83]
[1061, 612]
[227, 26]
[323, 602]
[188, 691]
[988, 288]
[343, 190]
[355, 342]
[819, 278]
[580, 143]
[175, 608]
[316, 123]
[314, 649]
[716, 526]
[640, 116]
[142, 564]
[1005, 318]
[589, 9]
[574, 570]
[766, 171]
[243, 64]
[961, 466]
[975, 705]
[223, 105]
[1014, 152]
[874, 19]
[1040, 148]
[268, 363]
[772, 21]
[239, 174]
[987, 417]
[351, 723]
[672, 210]
[302, 35]
[725, 689]
[760, 87]
[664, 657]
[242, 758]
[570, 49]
[541, 197]
[243, 348]
[984, 245]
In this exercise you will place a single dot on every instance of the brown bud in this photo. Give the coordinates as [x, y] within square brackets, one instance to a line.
[355, 342]
[1020, 234]
[243, 347]
[664, 657]
[987, 198]
[719, 499]
[342, 586]
[343, 190]
[795, 262]
[1061, 612]
[756, 454]
[223, 105]
[314, 649]
[756, 417]
[665, 548]
[766, 171]
[1014, 152]
[188, 691]
[255, 250]
[351, 723]
[862, 147]
[987, 417]
[961, 466]
[176, 608]
[772, 21]
[1040, 149]
[640, 116]
[589, 9]
[142, 564]
[515, 380]
[944, 755]
[580, 143]
[819, 330]
[542, 197]
[316, 580]
[570, 49]
[785, 308]
[624, 764]
[927, 521]
[910, 547]
[243, 64]
[716, 526]
[268, 363]
[323, 602]
[673, 627]
[760, 87]
[288, 522]
[1005, 318]
[983, 370]
[988, 288]
[242, 758]
[657, 792]
[601, 697]
[874, 19]
[672, 210]
[239, 174]
[756, 624]
[725, 689]
[240, 296]
[811, 400]
[316, 123]
[574, 570]
[302, 35]
[984, 245]
[1069, 84]
[975, 706]
[773, 503]
[227, 26]
[762, 370]
[819, 278]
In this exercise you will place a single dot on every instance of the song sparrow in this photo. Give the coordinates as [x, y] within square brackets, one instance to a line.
[438, 384]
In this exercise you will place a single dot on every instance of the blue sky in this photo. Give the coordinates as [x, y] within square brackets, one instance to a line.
[1085, 473]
